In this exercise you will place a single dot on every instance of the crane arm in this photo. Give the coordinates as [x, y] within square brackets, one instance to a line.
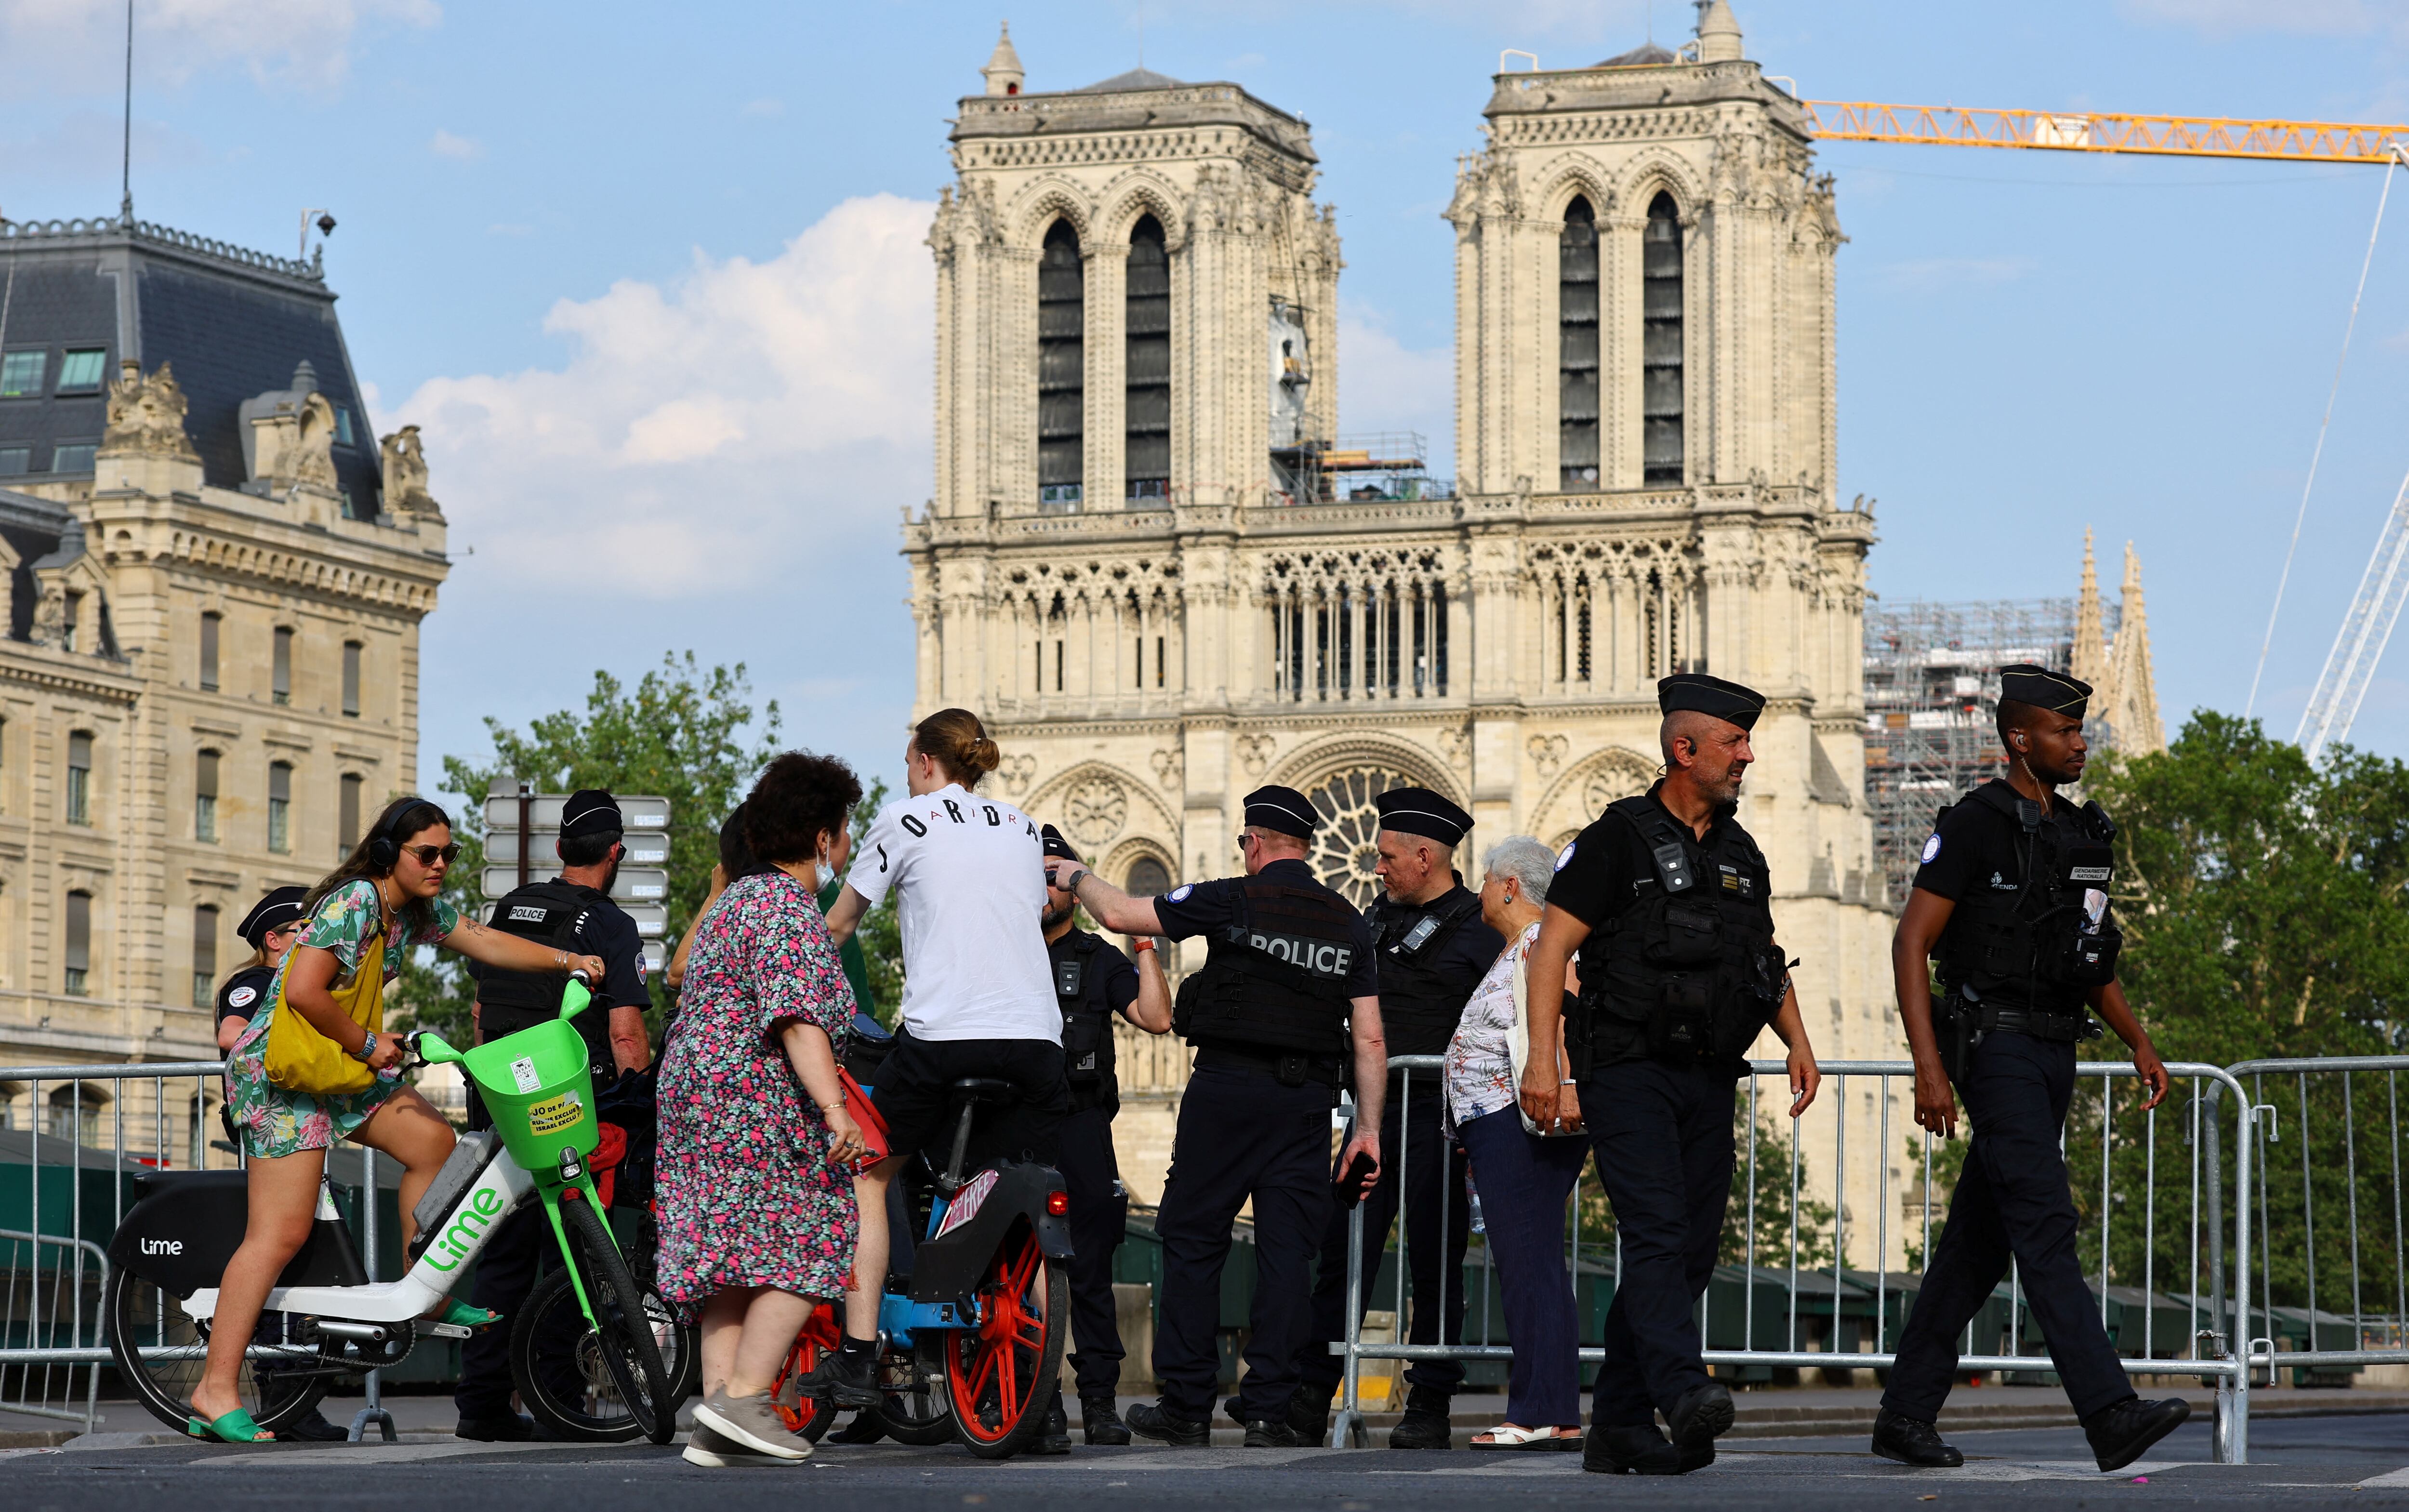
[2310, 141]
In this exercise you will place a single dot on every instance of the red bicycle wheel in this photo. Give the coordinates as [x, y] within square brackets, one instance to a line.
[1001, 1375]
[807, 1416]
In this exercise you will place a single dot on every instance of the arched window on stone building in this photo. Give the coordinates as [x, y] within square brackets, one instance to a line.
[1061, 371]
[1660, 359]
[1147, 332]
[1366, 627]
[1577, 348]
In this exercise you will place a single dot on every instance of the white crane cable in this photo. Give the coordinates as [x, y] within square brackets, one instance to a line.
[2317, 452]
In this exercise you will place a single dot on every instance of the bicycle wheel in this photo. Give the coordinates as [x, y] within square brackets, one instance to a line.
[1001, 1375]
[161, 1353]
[602, 1381]
[807, 1418]
[556, 1363]
[920, 1417]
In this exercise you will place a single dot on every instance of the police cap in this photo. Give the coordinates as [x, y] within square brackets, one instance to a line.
[2059, 694]
[1282, 810]
[1701, 694]
[1417, 810]
[1055, 844]
[590, 810]
[273, 912]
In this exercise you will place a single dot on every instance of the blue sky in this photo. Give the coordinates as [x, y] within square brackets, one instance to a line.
[652, 279]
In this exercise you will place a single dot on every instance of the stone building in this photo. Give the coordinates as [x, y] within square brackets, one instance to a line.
[211, 580]
[1135, 567]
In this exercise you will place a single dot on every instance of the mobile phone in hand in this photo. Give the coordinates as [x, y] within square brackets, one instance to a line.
[1349, 1183]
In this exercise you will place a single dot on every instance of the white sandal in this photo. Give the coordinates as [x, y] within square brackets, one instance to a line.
[1514, 1436]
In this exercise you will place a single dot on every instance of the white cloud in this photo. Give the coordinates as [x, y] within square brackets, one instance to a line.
[725, 430]
[1385, 385]
[460, 149]
[1925, 275]
[308, 44]
[765, 109]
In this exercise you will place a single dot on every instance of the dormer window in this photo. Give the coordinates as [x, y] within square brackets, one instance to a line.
[1012, 89]
[73, 457]
[20, 374]
[82, 370]
[16, 461]
[342, 424]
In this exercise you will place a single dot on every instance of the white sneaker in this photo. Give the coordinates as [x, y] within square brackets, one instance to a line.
[719, 1452]
[752, 1423]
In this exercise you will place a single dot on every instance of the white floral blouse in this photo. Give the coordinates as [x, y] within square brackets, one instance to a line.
[1480, 1064]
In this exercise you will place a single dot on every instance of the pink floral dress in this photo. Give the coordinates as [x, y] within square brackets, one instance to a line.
[746, 1195]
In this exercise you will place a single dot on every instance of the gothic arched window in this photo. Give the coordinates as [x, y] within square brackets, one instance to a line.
[1146, 327]
[1577, 348]
[1660, 357]
[1061, 370]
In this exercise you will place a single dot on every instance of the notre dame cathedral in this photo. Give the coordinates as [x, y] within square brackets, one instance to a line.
[1151, 564]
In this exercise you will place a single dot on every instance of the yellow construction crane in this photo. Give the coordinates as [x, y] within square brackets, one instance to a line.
[2070, 131]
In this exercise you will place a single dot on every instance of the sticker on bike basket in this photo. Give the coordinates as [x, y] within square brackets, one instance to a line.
[555, 1113]
[522, 1073]
[967, 1202]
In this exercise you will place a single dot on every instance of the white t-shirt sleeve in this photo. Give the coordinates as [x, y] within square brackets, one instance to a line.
[879, 857]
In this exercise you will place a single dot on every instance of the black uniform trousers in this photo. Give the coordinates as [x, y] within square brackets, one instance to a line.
[1099, 1216]
[1663, 1136]
[506, 1273]
[1434, 1167]
[1241, 1134]
[2013, 1199]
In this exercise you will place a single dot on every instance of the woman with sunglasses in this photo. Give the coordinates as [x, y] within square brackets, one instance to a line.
[385, 899]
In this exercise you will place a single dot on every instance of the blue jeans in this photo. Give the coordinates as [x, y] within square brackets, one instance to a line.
[1523, 1181]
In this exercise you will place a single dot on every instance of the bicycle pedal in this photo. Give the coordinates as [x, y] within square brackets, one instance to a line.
[445, 1330]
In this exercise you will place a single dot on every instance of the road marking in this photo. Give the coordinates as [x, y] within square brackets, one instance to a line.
[2001, 1470]
[2390, 1477]
[15, 1454]
[373, 1454]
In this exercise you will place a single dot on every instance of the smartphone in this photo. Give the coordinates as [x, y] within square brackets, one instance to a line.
[1349, 1183]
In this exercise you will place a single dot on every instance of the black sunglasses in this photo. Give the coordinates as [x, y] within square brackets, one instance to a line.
[433, 856]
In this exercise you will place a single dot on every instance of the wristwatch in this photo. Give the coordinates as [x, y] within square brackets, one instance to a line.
[366, 1054]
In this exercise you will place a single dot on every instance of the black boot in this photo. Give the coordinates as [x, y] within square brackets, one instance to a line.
[1637, 1450]
[847, 1377]
[1148, 1420]
[865, 1428]
[1309, 1415]
[312, 1427]
[1703, 1414]
[1055, 1438]
[1102, 1420]
[1425, 1424]
[2122, 1433]
[1912, 1441]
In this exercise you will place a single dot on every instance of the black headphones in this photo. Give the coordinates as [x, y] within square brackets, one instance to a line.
[384, 841]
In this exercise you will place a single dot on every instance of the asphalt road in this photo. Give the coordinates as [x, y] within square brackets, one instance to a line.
[2363, 1461]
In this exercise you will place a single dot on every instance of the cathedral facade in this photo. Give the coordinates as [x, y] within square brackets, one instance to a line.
[1135, 567]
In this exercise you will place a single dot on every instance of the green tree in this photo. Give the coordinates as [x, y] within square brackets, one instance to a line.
[879, 936]
[681, 734]
[1764, 1209]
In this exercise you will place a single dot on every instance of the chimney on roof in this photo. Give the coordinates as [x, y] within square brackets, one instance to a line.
[305, 378]
[1002, 72]
[1718, 33]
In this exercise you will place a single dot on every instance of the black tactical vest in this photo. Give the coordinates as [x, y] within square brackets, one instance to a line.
[2037, 947]
[1690, 961]
[1079, 976]
[1419, 1011]
[550, 914]
[1274, 983]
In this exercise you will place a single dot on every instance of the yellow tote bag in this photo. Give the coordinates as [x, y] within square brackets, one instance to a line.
[302, 1059]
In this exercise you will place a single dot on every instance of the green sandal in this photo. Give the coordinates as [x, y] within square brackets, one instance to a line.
[460, 1314]
[236, 1427]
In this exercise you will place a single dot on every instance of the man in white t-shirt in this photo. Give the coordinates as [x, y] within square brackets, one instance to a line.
[968, 875]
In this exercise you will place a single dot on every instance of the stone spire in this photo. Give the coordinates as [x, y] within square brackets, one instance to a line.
[1002, 73]
[1718, 33]
[2090, 661]
[2133, 715]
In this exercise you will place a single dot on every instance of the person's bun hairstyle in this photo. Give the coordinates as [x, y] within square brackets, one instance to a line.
[956, 741]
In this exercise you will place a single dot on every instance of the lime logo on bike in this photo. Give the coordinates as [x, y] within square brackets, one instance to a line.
[522, 1073]
[466, 1230]
[967, 1202]
[555, 1113]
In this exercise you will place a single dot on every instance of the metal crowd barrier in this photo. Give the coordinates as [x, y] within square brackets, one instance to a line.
[2193, 1241]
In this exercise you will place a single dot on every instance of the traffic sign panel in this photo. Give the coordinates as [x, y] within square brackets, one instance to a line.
[644, 848]
[636, 813]
[633, 885]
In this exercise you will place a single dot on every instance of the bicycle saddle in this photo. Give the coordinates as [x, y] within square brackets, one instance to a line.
[985, 1089]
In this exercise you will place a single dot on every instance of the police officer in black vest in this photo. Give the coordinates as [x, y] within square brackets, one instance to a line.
[1668, 900]
[1095, 984]
[1433, 950]
[576, 915]
[2013, 894]
[1285, 1007]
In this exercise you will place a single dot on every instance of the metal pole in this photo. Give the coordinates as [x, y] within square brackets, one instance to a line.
[374, 1411]
[1346, 1429]
[527, 807]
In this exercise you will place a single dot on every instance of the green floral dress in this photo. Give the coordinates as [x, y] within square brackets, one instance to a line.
[275, 1120]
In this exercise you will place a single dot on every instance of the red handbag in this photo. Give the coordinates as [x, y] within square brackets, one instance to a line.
[864, 1115]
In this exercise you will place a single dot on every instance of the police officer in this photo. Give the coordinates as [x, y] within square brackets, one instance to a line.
[1095, 983]
[2014, 892]
[574, 914]
[1433, 950]
[1667, 900]
[1286, 1004]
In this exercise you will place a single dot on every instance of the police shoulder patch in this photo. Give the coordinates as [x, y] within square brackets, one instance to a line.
[1931, 848]
[242, 997]
[1180, 894]
[1565, 857]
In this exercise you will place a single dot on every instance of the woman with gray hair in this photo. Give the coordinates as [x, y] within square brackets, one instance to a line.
[1522, 1175]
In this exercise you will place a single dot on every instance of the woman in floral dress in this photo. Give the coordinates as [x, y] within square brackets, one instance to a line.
[755, 1186]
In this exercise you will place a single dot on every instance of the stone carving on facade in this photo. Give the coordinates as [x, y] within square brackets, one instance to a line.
[1170, 766]
[1255, 752]
[1095, 810]
[1455, 743]
[1620, 774]
[1018, 771]
[1548, 752]
[404, 459]
[146, 415]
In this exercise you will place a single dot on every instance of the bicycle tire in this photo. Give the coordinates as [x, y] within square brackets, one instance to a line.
[1000, 1376]
[557, 1363]
[807, 1418]
[135, 1310]
[626, 1350]
[920, 1419]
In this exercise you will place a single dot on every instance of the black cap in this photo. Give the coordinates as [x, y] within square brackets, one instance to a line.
[1055, 844]
[2059, 694]
[1282, 810]
[273, 912]
[1701, 694]
[590, 810]
[1417, 810]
